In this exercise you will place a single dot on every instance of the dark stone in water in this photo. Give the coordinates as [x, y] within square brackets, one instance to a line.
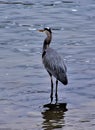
[56, 106]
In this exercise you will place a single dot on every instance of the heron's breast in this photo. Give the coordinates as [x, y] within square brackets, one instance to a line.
[43, 54]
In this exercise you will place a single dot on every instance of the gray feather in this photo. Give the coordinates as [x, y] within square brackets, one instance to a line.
[54, 64]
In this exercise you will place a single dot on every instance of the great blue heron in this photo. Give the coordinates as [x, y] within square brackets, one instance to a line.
[53, 63]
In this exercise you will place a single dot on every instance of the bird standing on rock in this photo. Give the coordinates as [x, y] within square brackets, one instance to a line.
[53, 63]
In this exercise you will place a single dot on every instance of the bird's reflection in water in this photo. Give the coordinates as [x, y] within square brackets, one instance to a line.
[54, 116]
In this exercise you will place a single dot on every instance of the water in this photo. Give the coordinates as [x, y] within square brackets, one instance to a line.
[25, 84]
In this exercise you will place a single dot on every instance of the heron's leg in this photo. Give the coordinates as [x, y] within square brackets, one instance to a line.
[51, 95]
[56, 95]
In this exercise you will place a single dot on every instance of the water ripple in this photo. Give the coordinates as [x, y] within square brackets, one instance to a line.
[16, 2]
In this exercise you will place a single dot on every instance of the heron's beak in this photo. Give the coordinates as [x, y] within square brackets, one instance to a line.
[41, 30]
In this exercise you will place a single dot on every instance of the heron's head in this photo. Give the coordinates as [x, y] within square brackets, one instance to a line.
[47, 30]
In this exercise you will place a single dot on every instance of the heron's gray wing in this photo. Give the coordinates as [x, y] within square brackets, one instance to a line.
[54, 64]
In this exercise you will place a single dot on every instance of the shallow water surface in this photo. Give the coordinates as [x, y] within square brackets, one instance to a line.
[25, 84]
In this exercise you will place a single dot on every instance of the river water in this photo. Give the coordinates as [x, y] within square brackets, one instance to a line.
[25, 84]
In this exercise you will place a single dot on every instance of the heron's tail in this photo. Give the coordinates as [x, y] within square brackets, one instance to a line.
[65, 80]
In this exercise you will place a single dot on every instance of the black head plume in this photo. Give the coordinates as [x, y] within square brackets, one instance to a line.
[48, 29]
